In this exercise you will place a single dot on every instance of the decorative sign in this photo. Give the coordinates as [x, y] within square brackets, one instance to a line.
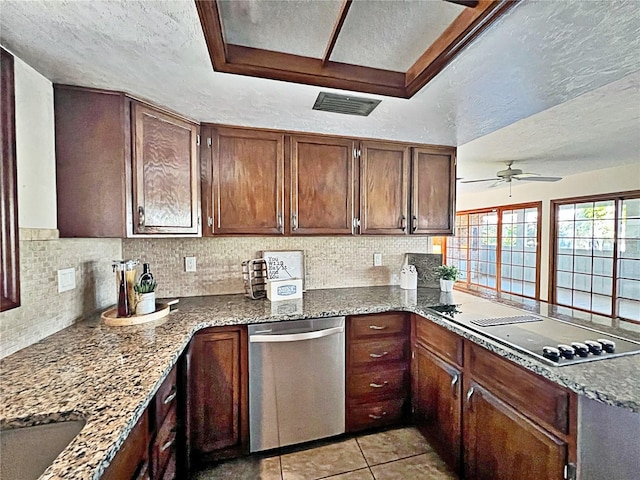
[282, 265]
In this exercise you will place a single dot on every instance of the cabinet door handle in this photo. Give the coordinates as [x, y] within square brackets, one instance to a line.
[279, 216]
[169, 398]
[403, 223]
[378, 385]
[294, 222]
[414, 223]
[378, 355]
[141, 216]
[469, 395]
[377, 327]
[454, 382]
[168, 444]
[377, 417]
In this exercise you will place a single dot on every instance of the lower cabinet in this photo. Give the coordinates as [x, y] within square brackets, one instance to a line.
[153, 448]
[377, 373]
[217, 425]
[487, 417]
[437, 388]
[503, 444]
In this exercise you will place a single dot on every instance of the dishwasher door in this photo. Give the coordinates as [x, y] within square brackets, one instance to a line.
[296, 381]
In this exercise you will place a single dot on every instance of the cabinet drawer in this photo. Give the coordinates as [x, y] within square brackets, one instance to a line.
[440, 340]
[170, 468]
[165, 443]
[537, 398]
[369, 353]
[378, 383]
[166, 396]
[375, 414]
[382, 324]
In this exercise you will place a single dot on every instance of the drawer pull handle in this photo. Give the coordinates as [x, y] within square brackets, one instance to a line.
[169, 398]
[377, 417]
[168, 444]
[378, 355]
[379, 385]
[377, 327]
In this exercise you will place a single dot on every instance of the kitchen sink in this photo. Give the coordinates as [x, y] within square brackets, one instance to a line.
[26, 452]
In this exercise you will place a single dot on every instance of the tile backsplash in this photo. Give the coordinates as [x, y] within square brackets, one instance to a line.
[44, 311]
[330, 262]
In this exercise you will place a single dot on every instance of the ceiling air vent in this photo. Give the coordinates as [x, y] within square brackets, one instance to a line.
[330, 102]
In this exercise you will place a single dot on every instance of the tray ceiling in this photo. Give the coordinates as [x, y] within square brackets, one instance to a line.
[371, 46]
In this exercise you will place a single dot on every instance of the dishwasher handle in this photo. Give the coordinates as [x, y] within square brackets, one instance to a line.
[295, 337]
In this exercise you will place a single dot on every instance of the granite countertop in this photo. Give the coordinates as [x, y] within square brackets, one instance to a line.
[108, 375]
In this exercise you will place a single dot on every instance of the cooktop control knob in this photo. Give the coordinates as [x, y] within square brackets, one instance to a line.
[594, 347]
[552, 353]
[581, 349]
[566, 351]
[607, 345]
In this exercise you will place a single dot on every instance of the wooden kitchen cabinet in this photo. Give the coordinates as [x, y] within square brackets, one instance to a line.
[132, 460]
[166, 188]
[433, 184]
[323, 186]
[436, 393]
[218, 393]
[503, 444]
[123, 168]
[243, 182]
[384, 188]
[377, 375]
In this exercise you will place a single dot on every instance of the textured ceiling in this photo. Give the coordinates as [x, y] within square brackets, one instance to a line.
[538, 56]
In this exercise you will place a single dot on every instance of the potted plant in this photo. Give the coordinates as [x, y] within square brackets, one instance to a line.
[447, 275]
[146, 296]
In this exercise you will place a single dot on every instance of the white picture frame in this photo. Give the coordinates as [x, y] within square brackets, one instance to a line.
[284, 264]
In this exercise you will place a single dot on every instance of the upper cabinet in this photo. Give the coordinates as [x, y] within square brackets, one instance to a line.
[384, 190]
[165, 173]
[433, 184]
[243, 182]
[123, 169]
[323, 184]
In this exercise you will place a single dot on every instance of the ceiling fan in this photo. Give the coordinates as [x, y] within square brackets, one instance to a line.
[507, 175]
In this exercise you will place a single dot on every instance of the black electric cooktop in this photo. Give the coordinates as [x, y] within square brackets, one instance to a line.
[552, 341]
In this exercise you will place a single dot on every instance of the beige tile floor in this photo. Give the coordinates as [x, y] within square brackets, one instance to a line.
[391, 455]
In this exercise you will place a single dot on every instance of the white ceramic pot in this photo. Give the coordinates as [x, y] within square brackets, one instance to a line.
[446, 285]
[146, 303]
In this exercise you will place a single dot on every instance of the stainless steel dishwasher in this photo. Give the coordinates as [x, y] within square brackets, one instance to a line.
[296, 381]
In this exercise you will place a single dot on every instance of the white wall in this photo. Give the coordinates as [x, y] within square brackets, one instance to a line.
[35, 148]
[608, 180]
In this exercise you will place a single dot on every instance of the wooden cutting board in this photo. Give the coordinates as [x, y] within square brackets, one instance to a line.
[111, 318]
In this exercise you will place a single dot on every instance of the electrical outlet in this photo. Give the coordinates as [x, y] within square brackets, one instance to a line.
[377, 259]
[189, 264]
[66, 279]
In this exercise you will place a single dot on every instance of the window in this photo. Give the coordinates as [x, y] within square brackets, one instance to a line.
[497, 248]
[596, 252]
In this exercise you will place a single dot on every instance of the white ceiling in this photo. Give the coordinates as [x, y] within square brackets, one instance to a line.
[577, 62]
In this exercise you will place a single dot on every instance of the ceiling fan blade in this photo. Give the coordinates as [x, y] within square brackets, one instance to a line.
[539, 179]
[483, 180]
[502, 180]
[524, 175]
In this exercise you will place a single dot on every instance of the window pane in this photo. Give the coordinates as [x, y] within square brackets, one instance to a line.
[564, 296]
[565, 262]
[629, 289]
[602, 285]
[603, 266]
[582, 300]
[530, 274]
[582, 282]
[629, 248]
[629, 309]
[582, 264]
[530, 259]
[529, 289]
[564, 279]
[601, 304]
[631, 208]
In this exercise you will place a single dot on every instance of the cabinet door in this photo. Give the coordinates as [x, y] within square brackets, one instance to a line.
[502, 444]
[437, 408]
[248, 182]
[132, 460]
[433, 190]
[165, 173]
[218, 390]
[384, 188]
[323, 182]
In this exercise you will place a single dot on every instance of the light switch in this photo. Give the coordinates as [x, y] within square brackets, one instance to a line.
[189, 264]
[66, 279]
[377, 259]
